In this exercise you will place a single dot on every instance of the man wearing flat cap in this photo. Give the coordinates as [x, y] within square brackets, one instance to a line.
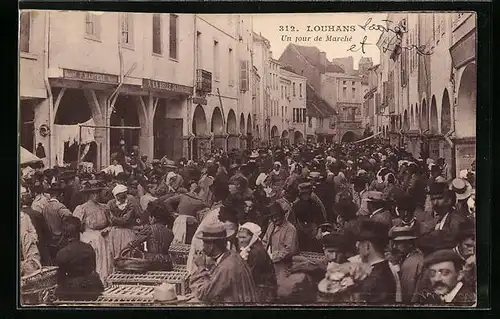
[410, 259]
[446, 275]
[228, 279]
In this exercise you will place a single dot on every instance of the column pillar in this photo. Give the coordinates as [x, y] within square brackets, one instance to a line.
[146, 111]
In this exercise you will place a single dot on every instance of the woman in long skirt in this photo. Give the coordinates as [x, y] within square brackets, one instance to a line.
[124, 215]
[94, 218]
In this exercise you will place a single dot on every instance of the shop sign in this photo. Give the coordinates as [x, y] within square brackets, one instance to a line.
[90, 76]
[166, 86]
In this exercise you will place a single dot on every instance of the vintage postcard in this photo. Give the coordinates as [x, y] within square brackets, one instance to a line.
[172, 159]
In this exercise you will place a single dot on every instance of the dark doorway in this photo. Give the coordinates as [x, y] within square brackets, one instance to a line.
[27, 125]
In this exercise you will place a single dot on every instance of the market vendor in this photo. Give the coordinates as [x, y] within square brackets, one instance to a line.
[157, 237]
[77, 278]
[334, 248]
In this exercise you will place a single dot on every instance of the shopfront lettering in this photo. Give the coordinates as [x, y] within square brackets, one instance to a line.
[166, 86]
[89, 76]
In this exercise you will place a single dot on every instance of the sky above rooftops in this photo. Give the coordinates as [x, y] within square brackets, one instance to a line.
[269, 26]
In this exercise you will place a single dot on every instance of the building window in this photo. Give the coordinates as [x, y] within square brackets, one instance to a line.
[293, 89]
[282, 111]
[230, 67]
[310, 122]
[344, 92]
[353, 93]
[300, 89]
[216, 61]
[173, 36]
[286, 92]
[127, 29]
[157, 47]
[344, 83]
[92, 25]
[353, 83]
[282, 93]
[24, 31]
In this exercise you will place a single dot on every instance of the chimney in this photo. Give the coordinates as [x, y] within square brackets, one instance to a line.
[322, 59]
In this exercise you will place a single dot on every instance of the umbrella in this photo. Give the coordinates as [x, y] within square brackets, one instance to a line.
[27, 157]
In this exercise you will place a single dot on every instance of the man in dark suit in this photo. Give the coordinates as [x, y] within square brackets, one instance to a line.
[445, 216]
[380, 286]
[446, 274]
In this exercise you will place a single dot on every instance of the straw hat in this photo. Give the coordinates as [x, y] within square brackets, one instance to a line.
[462, 188]
[213, 232]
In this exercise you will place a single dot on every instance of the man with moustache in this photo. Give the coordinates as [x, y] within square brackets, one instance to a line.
[446, 275]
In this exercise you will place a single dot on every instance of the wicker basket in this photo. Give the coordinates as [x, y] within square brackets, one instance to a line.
[152, 278]
[312, 256]
[125, 262]
[179, 253]
[39, 287]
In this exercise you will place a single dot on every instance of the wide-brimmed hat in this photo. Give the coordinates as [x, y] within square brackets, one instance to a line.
[305, 188]
[66, 175]
[92, 186]
[55, 189]
[254, 154]
[400, 233]
[437, 188]
[374, 196]
[370, 229]
[215, 231]
[462, 188]
[335, 240]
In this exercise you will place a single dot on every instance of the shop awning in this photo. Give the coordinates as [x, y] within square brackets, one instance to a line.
[27, 157]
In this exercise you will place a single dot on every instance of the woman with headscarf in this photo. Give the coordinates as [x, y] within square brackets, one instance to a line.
[124, 215]
[94, 218]
[277, 178]
[254, 253]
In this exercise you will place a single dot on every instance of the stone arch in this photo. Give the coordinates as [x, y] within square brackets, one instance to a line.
[406, 121]
[465, 119]
[274, 131]
[434, 121]
[445, 113]
[217, 123]
[249, 124]
[199, 126]
[242, 123]
[424, 115]
[417, 117]
[284, 134]
[348, 137]
[298, 137]
[231, 122]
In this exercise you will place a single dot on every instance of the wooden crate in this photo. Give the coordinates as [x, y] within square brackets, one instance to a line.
[179, 253]
[179, 277]
[312, 256]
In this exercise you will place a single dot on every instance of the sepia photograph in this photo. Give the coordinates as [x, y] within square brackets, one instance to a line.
[200, 160]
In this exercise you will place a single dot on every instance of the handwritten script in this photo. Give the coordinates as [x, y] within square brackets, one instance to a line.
[392, 43]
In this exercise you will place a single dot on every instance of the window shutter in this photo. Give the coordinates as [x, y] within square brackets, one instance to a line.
[24, 30]
[244, 76]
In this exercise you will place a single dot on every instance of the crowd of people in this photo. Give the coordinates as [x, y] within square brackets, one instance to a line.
[249, 214]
